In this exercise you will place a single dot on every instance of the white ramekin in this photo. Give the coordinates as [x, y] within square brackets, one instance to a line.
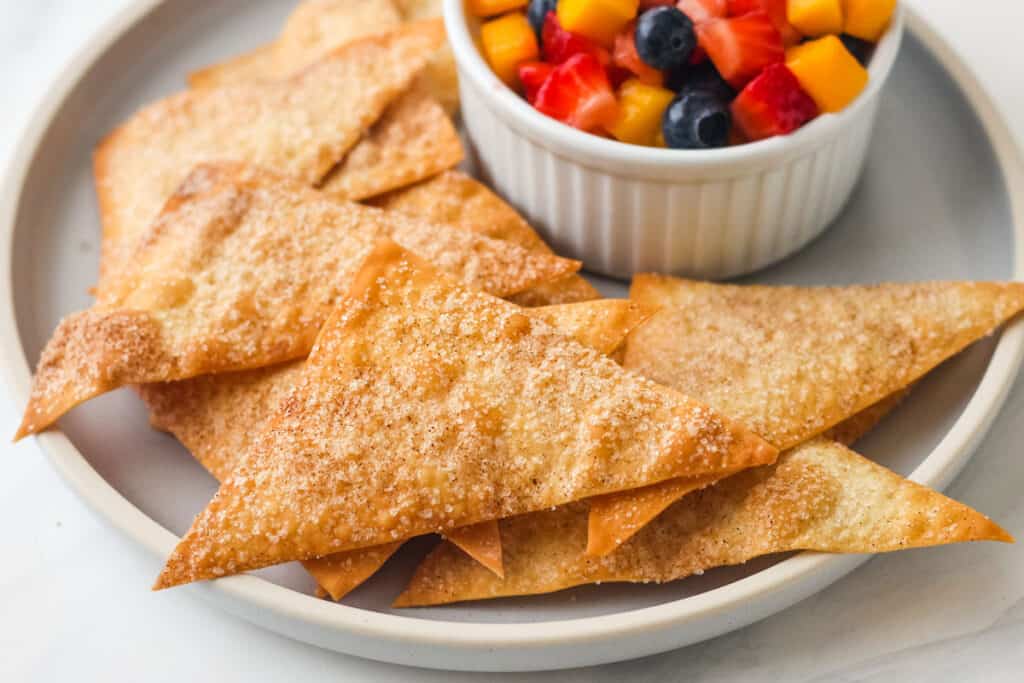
[624, 209]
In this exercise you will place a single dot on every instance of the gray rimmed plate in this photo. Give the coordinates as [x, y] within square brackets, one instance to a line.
[940, 200]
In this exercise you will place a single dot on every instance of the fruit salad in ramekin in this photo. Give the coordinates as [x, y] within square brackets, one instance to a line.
[627, 177]
[683, 74]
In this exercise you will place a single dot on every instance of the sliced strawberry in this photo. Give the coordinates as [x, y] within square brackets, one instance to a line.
[648, 4]
[578, 93]
[532, 75]
[776, 9]
[701, 11]
[740, 47]
[772, 104]
[559, 45]
[737, 8]
[626, 57]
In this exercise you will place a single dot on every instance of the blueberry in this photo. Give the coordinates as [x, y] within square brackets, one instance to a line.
[536, 13]
[703, 76]
[696, 119]
[861, 49]
[665, 38]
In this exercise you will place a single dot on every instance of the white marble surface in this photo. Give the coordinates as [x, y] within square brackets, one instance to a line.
[74, 598]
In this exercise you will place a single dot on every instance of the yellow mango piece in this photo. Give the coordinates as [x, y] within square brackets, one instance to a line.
[641, 108]
[868, 19]
[828, 72]
[508, 42]
[815, 17]
[490, 8]
[599, 20]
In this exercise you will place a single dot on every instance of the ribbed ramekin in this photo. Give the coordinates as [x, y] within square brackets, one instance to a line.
[624, 209]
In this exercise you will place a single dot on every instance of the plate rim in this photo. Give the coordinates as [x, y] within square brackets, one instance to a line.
[241, 594]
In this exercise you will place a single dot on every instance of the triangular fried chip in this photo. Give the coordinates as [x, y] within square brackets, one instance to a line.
[313, 29]
[240, 272]
[482, 542]
[413, 140]
[301, 127]
[616, 517]
[455, 199]
[316, 27]
[248, 67]
[341, 573]
[427, 406]
[217, 417]
[792, 362]
[819, 496]
[602, 325]
[440, 76]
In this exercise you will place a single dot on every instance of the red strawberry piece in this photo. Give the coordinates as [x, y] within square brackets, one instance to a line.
[559, 45]
[737, 8]
[578, 93]
[772, 104]
[776, 9]
[740, 47]
[532, 75]
[701, 11]
[648, 4]
[626, 57]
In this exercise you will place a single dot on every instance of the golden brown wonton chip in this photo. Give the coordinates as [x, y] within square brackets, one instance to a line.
[455, 199]
[316, 27]
[341, 573]
[819, 496]
[217, 417]
[440, 76]
[792, 362]
[246, 68]
[312, 30]
[240, 272]
[427, 406]
[616, 517]
[413, 140]
[300, 127]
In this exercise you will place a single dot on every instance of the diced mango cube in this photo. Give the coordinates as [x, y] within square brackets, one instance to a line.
[828, 72]
[868, 19]
[599, 20]
[815, 17]
[508, 42]
[641, 108]
[490, 8]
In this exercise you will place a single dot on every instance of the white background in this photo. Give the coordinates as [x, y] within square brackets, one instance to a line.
[74, 596]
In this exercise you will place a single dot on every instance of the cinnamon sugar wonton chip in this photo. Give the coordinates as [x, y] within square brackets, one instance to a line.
[216, 418]
[300, 127]
[455, 199]
[313, 29]
[819, 496]
[440, 76]
[792, 362]
[240, 272]
[413, 140]
[499, 414]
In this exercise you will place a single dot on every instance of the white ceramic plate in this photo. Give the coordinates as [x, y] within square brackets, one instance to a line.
[941, 199]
